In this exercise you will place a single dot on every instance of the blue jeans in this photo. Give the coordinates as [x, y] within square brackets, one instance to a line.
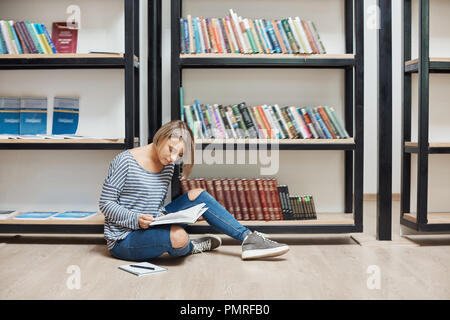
[145, 244]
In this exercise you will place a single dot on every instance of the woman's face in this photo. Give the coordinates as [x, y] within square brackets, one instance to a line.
[170, 150]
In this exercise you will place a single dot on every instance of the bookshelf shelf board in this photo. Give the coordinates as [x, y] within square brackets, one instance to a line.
[436, 222]
[92, 224]
[326, 222]
[235, 60]
[283, 144]
[434, 147]
[64, 61]
[433, 217]
[64, 144]
[437, 65]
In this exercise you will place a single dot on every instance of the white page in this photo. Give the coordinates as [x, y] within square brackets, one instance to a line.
[189, 215]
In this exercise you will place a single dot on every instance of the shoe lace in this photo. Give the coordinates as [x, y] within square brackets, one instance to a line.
[201, 246]
[264, 236]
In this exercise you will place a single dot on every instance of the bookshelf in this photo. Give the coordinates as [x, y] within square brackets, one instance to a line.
[128, 61]
[421, 220]
[351, 62]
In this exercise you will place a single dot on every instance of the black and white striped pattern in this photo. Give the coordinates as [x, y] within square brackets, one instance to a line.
[128, 191]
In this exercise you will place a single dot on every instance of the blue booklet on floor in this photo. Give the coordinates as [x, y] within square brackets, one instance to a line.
[74, 215]
[36, 215]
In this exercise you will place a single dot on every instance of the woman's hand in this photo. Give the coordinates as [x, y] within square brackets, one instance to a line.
[145, 220]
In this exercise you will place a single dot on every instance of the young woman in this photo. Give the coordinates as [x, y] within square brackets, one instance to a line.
[133, 195]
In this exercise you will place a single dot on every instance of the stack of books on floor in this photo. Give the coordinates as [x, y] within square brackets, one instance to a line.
[240, 121]
[234, 34]
[24, 37]
[254, 199]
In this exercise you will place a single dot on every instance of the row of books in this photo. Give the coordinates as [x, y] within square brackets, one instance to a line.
[252, 199]
[23, 37]
[234, 34]
[28, 116]
[44, 215]
[263, 122]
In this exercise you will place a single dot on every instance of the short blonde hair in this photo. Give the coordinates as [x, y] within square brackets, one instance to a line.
[177, 129]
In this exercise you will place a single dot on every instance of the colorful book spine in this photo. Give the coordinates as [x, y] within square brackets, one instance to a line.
[317, 36]
[24, 45]
[322, 124]
[34, 36]
[23, 27]
[242, 199]
[290, 36]
[315, 122]
[272, 36]
[278, 36]
[303, 36]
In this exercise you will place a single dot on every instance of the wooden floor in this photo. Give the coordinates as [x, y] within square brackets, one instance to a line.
[316, 267]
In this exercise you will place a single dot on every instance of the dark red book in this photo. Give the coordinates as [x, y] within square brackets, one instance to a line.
[219, 191]
[258, 203]
[191, 184]
[184, 186]
[270, 202]
[234, 199]
[64, 37]
[242, 199]
[227, 196]
[248, 197]
[276, 199]
[263, 199]
[210, 188]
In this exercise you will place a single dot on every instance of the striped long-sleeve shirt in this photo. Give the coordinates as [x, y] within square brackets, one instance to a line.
[128, 191]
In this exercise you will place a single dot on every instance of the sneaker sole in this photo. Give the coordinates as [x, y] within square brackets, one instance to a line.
[262, 253]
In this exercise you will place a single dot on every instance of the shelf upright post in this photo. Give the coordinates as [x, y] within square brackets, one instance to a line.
[359, 115]
[175, 13]
[349, 105]
[155, 73]
[129, 74]
[405, 183]
[384, 146]
[423, 114]
[136, 35]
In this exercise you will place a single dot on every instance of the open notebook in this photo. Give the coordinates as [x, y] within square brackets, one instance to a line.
[189, 215]
[142, 268]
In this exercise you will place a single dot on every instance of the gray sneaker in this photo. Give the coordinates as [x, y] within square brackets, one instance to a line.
[257, 245]
[206, 243]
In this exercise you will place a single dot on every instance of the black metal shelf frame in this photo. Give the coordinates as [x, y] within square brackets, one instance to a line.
[423, 149]
[131, 83]
[354, 108]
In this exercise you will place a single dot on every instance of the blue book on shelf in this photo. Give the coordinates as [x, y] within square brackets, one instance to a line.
[33, 116]
[36, 215]
[198, 46]
[74, 215]
[49, 39]
[284, 37]
[3, 49]
[186, 36]
[322, 125]
[65, 115]
[200, 113]
[9, 115]
[272, 37]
